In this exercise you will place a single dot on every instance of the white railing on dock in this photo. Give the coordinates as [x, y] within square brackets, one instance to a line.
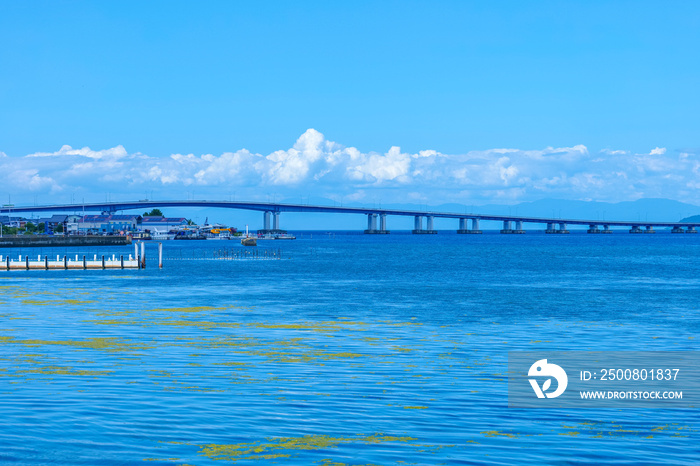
[65, 262]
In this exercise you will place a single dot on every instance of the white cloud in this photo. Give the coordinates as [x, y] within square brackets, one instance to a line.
[614, 152]
[318, 167]
[115, 152]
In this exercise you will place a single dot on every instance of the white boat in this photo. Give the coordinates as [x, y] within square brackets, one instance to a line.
[219, 234]
[158, 235]
[276, 236]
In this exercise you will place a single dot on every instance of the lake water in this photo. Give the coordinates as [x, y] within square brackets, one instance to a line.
[350, 349]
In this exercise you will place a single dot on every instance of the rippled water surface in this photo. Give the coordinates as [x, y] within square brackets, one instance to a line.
[350, 349]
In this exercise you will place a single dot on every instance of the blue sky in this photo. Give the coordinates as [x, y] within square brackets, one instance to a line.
[469, 102]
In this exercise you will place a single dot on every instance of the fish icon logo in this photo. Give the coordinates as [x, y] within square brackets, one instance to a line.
[544, 369]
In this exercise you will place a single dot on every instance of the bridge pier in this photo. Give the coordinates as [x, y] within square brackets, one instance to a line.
[475, 226]
[506, 227]
[635, 229]
[372, 225]
[431, 226]
[677, 230]
[691, 230]
[463, 230]
[593, 229]
[508, 230]
[372, 222]
[519, 227]
[418, 226]
[649, 229]
[275, 230]
[606, 229]
[561, 231]
[462, 226]
[550, 228]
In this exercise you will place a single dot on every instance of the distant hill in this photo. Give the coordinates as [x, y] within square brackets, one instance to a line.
[693, 219]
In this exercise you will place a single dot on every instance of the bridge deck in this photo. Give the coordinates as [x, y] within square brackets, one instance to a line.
[304, 208]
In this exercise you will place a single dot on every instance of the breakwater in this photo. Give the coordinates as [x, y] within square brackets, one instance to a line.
[29, 241]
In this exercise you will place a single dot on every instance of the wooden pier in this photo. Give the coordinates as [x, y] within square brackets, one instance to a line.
[68, 263]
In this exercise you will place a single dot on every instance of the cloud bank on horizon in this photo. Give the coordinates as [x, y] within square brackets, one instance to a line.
[317, 167]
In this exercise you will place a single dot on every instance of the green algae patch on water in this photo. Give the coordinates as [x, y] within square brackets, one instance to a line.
[284, 447]
[200, 324]
[112, 322]
[330, 462]
[115, 313]
[495, 433]
[189, 309]
[56, 302]
[168, 310]
[104, 344]
[324, 326]
[205, 325]
[58, 370]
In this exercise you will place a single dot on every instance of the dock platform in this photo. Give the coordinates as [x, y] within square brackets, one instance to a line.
[65, 263]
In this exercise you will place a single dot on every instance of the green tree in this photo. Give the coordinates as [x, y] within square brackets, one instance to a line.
[58, 228]
[154, 213]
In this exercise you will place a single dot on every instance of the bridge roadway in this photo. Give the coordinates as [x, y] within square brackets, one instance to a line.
[272, 210]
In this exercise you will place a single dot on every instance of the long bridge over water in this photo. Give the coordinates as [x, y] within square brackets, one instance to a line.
[376, 218]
